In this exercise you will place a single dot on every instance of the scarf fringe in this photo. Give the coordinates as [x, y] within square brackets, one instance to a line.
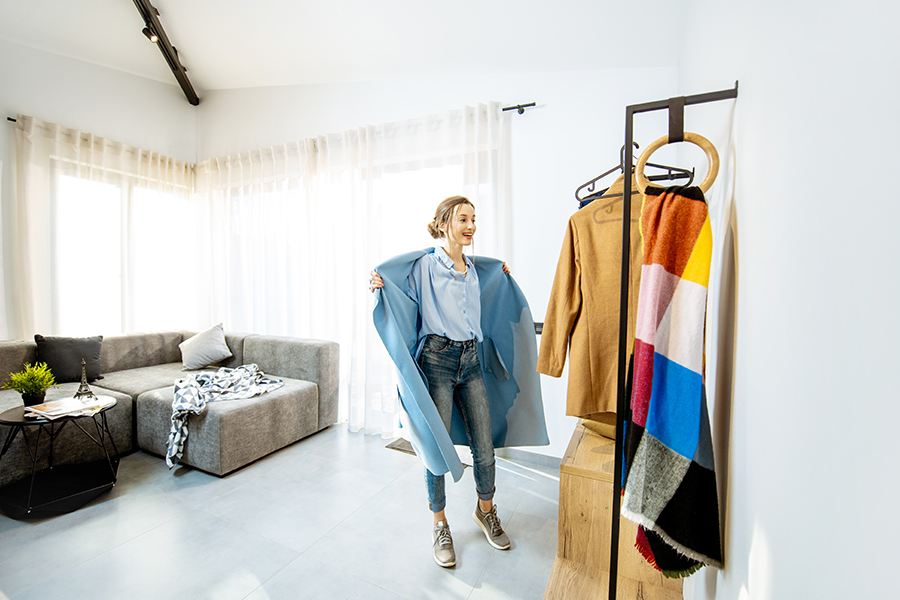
[643, 546]
[683, 574]
[683, 550]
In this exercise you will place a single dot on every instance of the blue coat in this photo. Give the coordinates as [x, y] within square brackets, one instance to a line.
[508, 357]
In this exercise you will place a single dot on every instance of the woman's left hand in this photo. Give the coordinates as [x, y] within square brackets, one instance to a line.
[505, 268]
[375, 281]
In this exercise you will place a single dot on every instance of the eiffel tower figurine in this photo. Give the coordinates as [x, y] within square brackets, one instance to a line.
[84, 392]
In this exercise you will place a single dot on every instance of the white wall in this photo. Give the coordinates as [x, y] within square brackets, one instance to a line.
[813, 476]
[72, 93]
[112, 104]
[573, 134]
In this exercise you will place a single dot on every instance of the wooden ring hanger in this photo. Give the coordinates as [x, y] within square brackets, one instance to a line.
[694, 138]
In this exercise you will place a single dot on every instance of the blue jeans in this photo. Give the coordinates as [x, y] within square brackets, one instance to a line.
[454, 376]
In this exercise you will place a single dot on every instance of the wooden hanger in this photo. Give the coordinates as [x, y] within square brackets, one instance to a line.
[694, 138]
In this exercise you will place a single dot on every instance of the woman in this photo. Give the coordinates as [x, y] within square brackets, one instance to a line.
[444, 284]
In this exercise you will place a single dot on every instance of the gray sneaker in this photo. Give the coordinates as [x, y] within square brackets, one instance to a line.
[490, 525]
[443, 545]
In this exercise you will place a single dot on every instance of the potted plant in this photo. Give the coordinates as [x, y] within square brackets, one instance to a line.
[32, 382]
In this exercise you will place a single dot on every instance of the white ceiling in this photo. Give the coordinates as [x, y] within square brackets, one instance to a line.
[227, 44]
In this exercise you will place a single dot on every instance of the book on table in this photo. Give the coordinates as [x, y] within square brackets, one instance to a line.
[70, 407]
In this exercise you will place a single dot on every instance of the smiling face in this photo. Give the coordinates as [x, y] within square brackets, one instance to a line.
[461, 226]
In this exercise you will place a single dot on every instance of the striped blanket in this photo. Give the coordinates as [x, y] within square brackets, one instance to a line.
[670, 481]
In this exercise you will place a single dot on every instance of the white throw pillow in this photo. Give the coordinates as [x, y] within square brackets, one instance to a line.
[205, 348]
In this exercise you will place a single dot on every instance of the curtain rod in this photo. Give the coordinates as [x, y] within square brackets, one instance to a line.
[520, 108]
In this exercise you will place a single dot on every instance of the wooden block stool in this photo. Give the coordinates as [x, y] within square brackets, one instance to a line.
[581, 568]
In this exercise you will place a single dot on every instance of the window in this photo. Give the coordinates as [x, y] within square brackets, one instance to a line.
[122, 258]
[87, 278]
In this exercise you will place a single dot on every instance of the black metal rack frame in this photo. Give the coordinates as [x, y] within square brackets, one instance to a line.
[675, 106]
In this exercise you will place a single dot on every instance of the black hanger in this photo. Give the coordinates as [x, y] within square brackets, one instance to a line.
[672, 173]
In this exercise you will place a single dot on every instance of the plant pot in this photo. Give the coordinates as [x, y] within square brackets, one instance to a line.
[32, 399]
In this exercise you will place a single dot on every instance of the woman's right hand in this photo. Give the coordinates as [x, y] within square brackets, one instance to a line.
[375, 281]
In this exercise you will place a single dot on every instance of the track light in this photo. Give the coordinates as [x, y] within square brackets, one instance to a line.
[156, 33]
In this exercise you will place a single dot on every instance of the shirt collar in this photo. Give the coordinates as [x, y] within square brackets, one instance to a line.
[442, 256]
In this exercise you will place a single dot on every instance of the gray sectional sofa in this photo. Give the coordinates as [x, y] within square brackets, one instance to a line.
[140, 370]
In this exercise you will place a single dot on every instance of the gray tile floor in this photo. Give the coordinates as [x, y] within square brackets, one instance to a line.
[336, 515]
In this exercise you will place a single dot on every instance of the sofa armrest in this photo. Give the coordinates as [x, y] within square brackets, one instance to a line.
[316, 361]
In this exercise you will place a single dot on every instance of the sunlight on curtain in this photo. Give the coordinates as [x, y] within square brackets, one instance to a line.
[163, 233]
[98, 235]
[87, 303]
[304, 223]
[107, 238]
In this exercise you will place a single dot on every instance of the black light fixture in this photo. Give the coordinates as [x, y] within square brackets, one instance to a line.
[154, 29]
[150, 35]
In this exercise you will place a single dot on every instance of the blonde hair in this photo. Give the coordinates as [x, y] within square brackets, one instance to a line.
[444, 213]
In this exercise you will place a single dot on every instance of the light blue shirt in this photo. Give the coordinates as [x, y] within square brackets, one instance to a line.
[449, 301]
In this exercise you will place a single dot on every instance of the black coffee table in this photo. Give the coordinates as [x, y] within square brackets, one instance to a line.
[56, 489]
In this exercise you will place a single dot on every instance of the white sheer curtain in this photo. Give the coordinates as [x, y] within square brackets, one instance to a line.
[103, 238]
[297, 228]
[89, 240]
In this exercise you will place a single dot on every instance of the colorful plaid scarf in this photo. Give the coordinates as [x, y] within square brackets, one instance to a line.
[670, 482]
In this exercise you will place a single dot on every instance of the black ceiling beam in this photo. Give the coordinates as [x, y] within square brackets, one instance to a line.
[151, 20]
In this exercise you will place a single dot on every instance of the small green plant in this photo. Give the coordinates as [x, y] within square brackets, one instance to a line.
[32, 380]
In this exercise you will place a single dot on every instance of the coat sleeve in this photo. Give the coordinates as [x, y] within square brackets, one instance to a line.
[563, 308]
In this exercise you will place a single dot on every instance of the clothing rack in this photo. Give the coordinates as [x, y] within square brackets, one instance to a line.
[675, 106]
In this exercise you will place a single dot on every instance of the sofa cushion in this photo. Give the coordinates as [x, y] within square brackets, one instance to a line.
[135, 382]
[206, 348]
[230, 434]
[64, 355]
[235, 343]
[132, 350]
